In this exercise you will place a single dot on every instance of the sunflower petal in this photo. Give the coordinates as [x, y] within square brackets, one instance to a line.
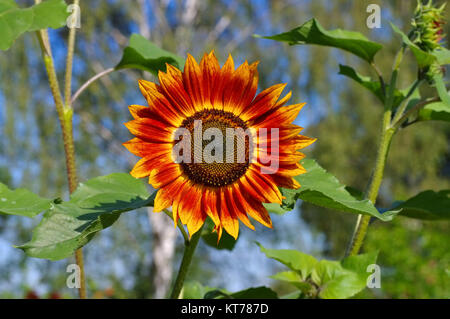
[227, 218]
[237, 207]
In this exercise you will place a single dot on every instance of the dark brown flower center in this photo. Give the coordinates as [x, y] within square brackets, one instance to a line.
[223, 163]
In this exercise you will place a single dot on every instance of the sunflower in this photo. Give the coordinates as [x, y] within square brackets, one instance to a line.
[204, 97]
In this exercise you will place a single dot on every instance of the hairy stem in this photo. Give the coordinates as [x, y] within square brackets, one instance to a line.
[189, 249]
[374, 186]
[69, 62]
[387, 133]
[65, 115]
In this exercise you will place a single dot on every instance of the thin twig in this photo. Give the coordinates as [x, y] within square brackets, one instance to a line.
[89, 82]
[404, 102]
[380, 77]
[414, 109]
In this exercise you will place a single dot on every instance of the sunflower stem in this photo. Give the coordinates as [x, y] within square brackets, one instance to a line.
[387, 132]
[189, 250]
[65, 115]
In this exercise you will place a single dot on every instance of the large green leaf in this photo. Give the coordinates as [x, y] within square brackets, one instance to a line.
[429, 205]
[210, 238]
[343, 279]
[275, 208]
[323, 189]
[294, 278]
[14, 21]
[335, 281]
[145, 55]
[423, 58]
[360, 262]
[325, 278]
[437, 111]
[94, 206]
[293, 259]
[195, 290]
[21, 202]
[311, 32]
[371, 85]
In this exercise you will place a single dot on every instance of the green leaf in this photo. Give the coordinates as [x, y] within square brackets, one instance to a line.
[210, 238]
[94, 206]
[355, 192]
[330, 279]
[335, 281]
[255, 293]
[368, 83]
[14, 21]
[360, 262]
[144, 55]
[429, 205]
[276, 208]
[365, 81]
[195, 290]
[293, 259]
[311, 32]
[21, 202]
[423, 58]
[294, 279]
[293, 295]
[343, 279]
[437, 111]
[320, 188]
[226, 241]
[440, 88]
[250, 293]
[217, 294]
[287, 276]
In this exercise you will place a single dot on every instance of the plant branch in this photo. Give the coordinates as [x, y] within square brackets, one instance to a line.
[69, 62]
[404, 103]
[89, 82]
[414, 109]
[380, 78]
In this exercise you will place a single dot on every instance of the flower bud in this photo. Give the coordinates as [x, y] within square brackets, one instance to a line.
[427, 26]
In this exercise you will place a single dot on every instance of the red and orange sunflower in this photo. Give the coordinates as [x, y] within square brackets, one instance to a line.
[222, 98]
